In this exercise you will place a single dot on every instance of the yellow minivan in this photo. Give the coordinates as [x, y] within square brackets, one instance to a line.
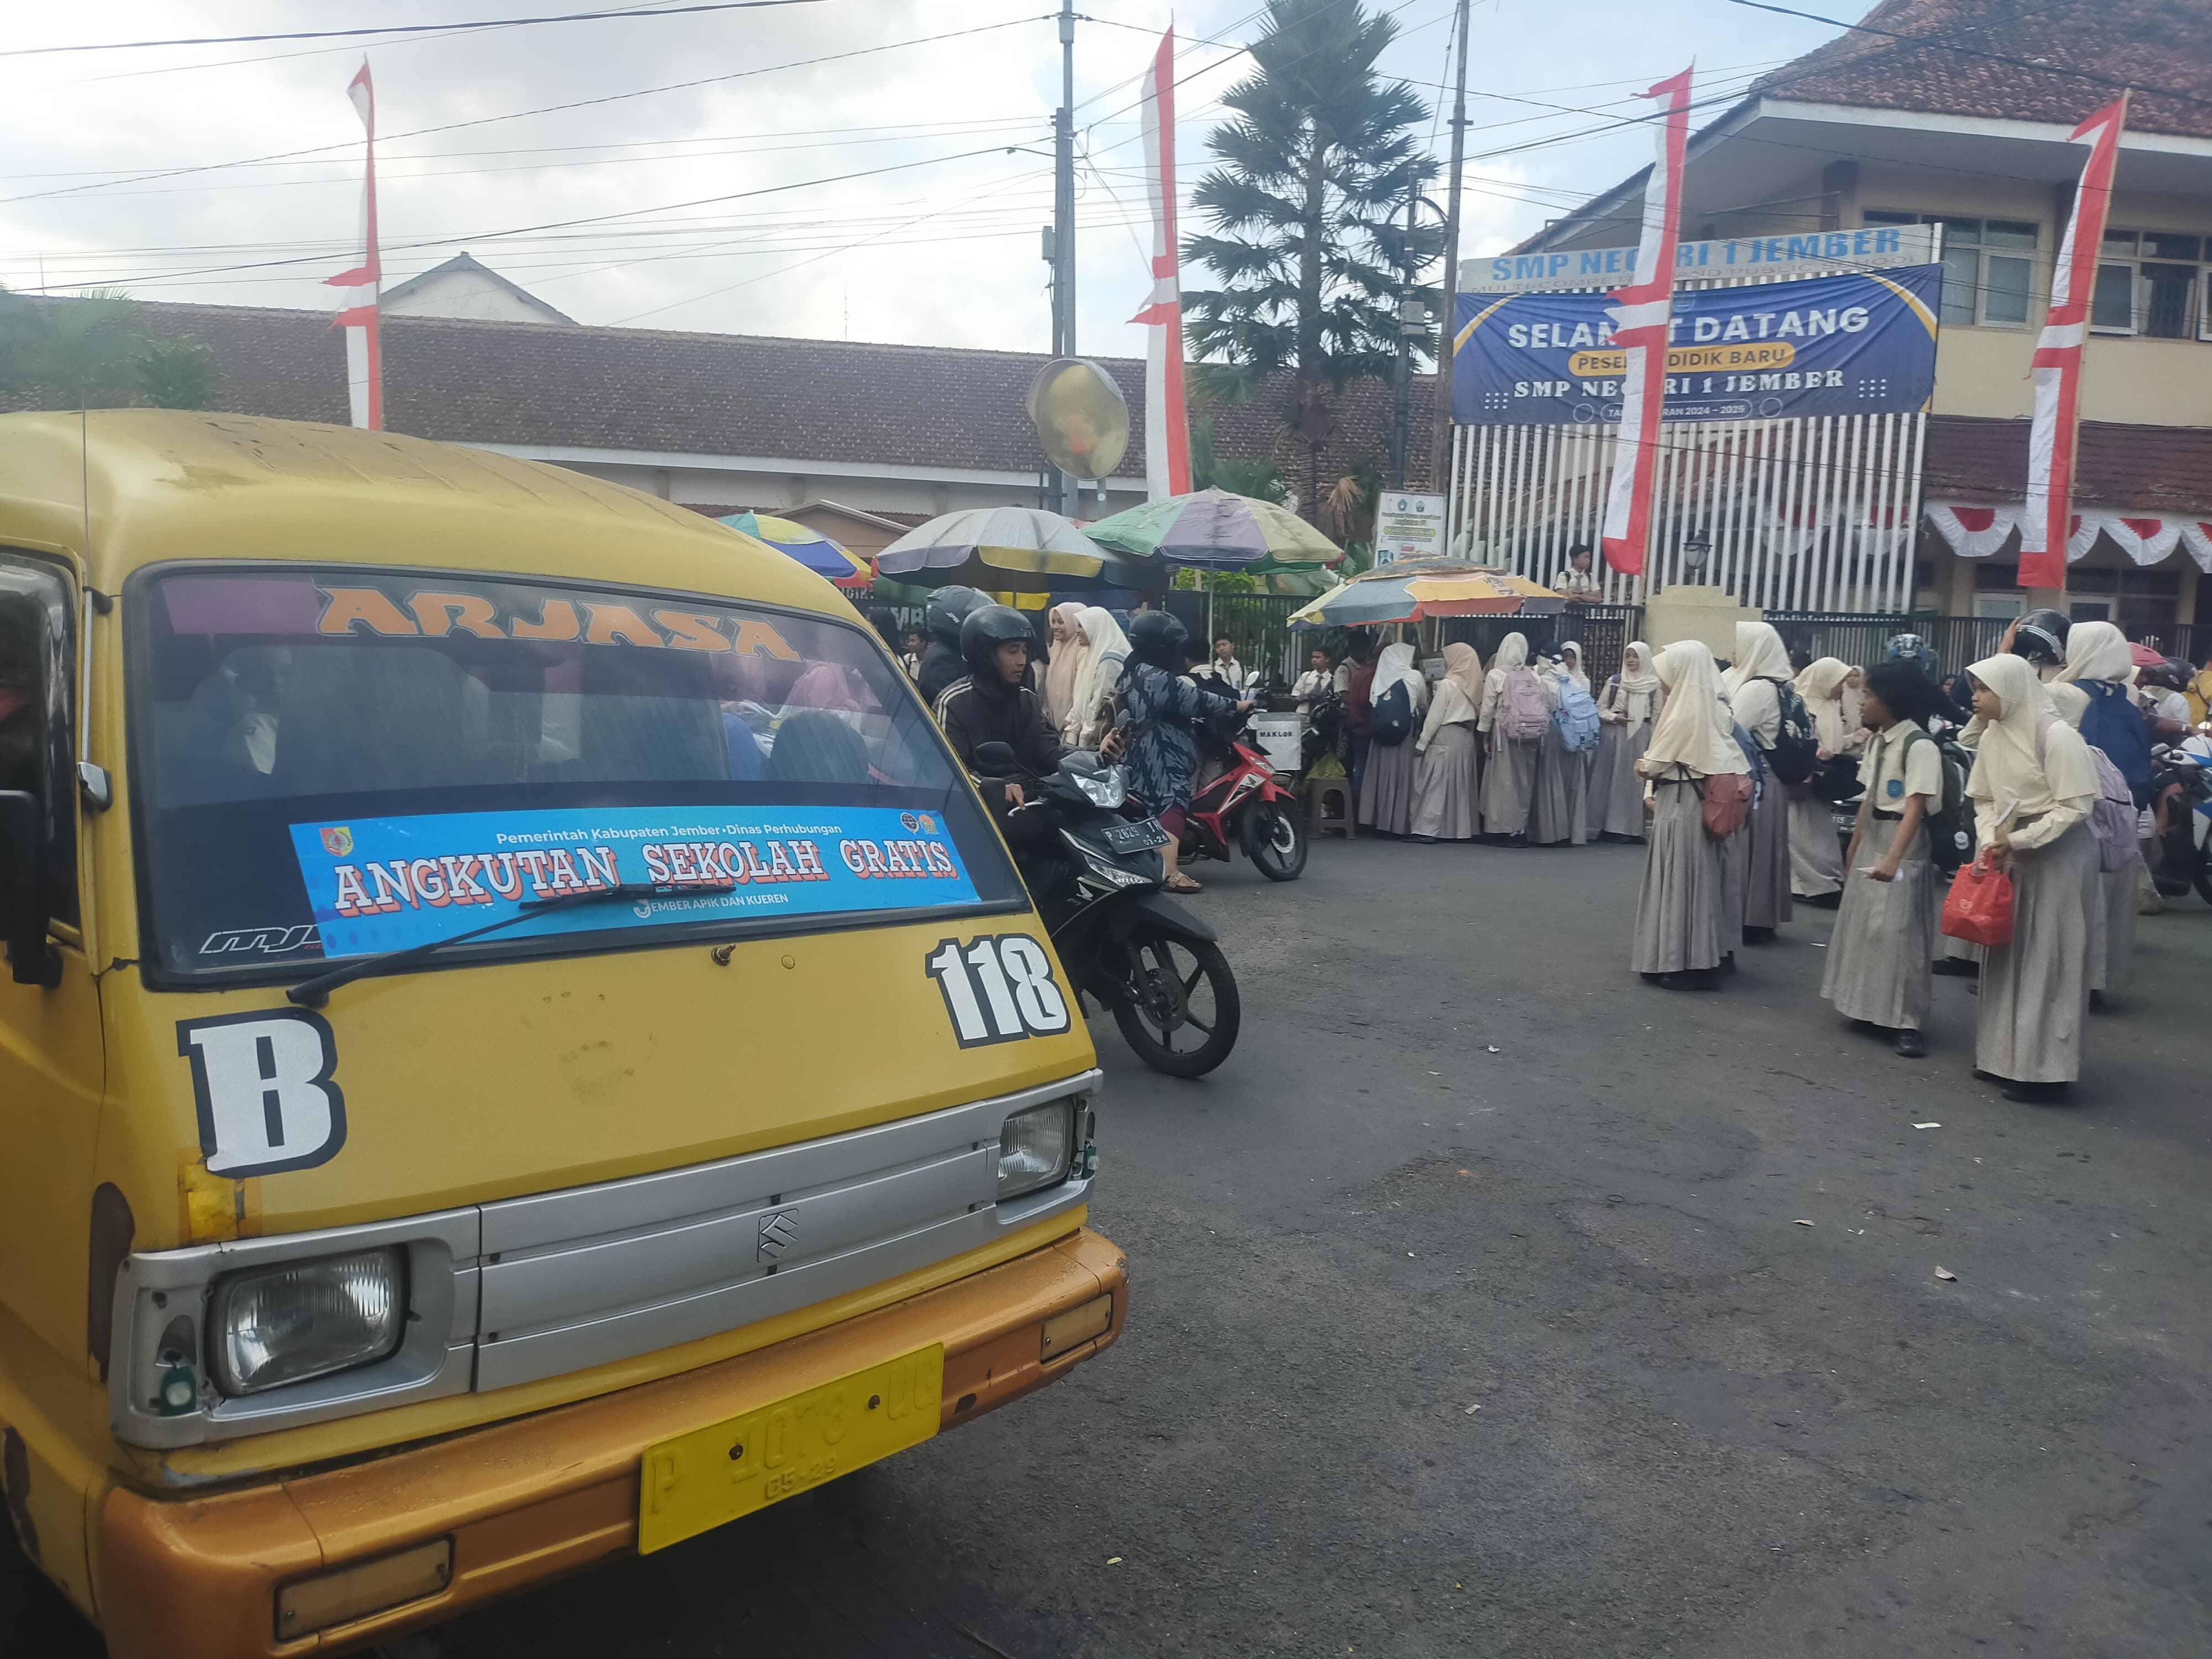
[518, 1041]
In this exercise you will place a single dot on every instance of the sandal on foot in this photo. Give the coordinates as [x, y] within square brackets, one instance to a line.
[1179, 883]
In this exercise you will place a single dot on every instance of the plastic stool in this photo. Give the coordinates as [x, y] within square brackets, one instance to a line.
[1329, 806]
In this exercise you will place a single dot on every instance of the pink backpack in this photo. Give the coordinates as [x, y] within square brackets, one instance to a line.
[1522, 714]
[2111, 814]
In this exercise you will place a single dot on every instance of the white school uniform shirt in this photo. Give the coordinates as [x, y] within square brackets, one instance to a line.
[1571, 580]
[1892, 774]
[1230, 673]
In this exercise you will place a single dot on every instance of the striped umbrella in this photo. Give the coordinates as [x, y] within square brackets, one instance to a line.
[999, 549]
[817, 552]
[1214, 530]
[1414, 589]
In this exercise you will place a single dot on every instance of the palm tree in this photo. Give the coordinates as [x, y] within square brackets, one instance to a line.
[1317, 167]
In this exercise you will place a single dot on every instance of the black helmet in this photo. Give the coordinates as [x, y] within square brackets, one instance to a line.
[2041, 636]
[986, 629]
[2167, 676]
[1910, 647]
[948, 608]
[1156, 637]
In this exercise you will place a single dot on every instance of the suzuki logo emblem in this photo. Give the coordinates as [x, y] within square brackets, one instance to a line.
[778, 1229]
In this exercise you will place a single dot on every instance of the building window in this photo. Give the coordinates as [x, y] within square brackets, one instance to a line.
[1989, 267]
[2152, 283]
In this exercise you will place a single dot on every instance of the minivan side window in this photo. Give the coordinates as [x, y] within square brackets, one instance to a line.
[35, 703]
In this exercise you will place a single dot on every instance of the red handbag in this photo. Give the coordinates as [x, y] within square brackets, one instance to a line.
[1978, 908]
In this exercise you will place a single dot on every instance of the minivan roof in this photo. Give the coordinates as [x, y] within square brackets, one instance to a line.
[153, 485]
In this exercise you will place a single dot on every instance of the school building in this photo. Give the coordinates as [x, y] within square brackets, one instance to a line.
[1946, 120]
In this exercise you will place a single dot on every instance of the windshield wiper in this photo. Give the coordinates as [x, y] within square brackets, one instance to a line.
[314, 991]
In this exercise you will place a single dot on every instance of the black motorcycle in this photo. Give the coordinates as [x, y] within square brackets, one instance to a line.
[1092, 864]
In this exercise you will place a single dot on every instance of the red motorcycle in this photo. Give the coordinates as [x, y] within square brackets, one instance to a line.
[1240, 804]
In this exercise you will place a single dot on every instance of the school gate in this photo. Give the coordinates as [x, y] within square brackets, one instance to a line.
[1799, 374]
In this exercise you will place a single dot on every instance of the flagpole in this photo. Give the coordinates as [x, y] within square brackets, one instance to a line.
[2047, 523]
[360, 316]
[1167, 427]
[1643, 315]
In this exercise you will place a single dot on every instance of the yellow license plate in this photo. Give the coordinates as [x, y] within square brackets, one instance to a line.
[701, 1479]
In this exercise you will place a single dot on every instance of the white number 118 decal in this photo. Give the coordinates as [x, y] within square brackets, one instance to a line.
[998, 989]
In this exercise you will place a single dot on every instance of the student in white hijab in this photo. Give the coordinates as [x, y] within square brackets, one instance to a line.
[1571, 659]
[1753, 687]
[1559, 811]
[1508, 775]
[2099, 665]
[1386, 793]
[1816, 858]
[1068, 649]
[1678, 939]
[1446, 785]
[2032, 786]
[1090, 704]
[1625, 710]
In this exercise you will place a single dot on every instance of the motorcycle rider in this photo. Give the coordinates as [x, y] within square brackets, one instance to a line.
[941, 662]
[1943, 708]
[2040, 636]
[993, 703]
[1168, 710]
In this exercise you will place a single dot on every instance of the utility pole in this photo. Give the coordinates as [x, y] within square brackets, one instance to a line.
[1401, 416]
[1440, 428]
[1063, 219]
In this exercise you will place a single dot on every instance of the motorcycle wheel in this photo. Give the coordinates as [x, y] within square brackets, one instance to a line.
[1182, 1010]
[1278, 842]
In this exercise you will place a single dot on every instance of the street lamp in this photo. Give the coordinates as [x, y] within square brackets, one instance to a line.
[1696, 547]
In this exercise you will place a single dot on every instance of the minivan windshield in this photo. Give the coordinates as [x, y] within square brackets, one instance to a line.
[332, 763]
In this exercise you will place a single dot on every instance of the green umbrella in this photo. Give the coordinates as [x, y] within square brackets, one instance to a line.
[1214, 530]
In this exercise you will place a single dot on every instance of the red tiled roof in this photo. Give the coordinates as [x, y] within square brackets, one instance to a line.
[475, 381]
[2165, 468]
[2161, 44]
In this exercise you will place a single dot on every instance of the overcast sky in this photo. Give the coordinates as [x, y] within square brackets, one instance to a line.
[939, 246]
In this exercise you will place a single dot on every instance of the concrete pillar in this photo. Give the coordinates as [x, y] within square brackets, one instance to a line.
[1839, 195]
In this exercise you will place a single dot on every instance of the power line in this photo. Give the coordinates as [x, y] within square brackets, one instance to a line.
[403, 28]
[548, 109]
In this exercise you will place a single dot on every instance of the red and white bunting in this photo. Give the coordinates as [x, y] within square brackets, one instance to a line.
[1641, 312]
[1973, 532]
[2057, 362]
[2147, 538]
[1167, 428]
[358, 314]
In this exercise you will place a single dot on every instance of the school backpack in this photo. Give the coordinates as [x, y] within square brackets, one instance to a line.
[1796, 743]
[1576, 718]
[2113, 819]
[2111, 723]
[1522, 714]
[1950, 824]
[1392, 722]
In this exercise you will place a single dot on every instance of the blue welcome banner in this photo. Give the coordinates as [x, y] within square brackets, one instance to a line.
[386, 883]
[1858, 344]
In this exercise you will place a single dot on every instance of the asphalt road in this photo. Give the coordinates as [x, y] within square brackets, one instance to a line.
[1463, 1159]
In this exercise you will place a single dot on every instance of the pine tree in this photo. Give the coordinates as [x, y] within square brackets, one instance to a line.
[1307, 209]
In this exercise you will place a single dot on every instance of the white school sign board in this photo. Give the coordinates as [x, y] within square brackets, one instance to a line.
[1409, 527]
[1735, 258]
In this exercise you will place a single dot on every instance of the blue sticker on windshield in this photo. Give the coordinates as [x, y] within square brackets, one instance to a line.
[386, 883]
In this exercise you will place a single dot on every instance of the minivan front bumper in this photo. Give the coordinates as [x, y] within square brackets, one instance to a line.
[525, 1500]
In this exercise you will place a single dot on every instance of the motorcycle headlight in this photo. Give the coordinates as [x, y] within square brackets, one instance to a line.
[1036, 1148]
[1108, 789]
[307, 1319]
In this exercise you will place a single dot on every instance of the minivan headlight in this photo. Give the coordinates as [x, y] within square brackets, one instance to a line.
[279, 1325]
[1035, 1147]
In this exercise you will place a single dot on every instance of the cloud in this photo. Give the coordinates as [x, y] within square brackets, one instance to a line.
[944, 249]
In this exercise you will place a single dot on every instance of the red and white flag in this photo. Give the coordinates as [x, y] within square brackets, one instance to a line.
[2057, 371]
[1167, 428]
[357, 314]
[1643, 313]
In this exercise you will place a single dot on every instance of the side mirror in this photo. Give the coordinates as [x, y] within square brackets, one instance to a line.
[995, 760]
[23, 890]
